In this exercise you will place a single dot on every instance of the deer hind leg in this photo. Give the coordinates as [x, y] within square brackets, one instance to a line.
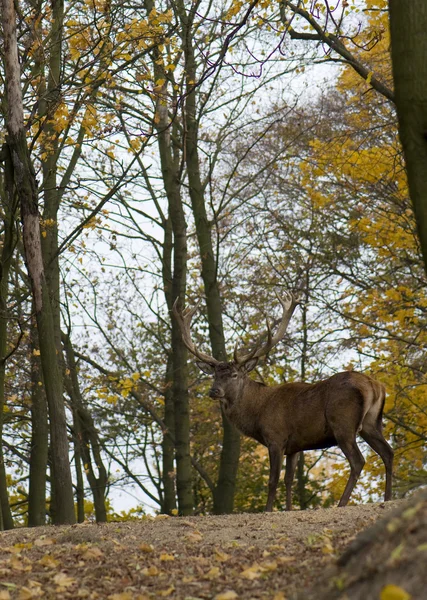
[357, 462]
[276, 458]
[372, 434]
[291, 463]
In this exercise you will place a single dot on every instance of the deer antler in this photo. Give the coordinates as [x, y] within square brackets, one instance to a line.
[288, 302]
[184, 320]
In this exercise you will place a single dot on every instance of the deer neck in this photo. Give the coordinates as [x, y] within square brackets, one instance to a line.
[244, 408]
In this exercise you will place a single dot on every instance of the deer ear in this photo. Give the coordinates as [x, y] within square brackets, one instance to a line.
[205, 367]
[250, 365]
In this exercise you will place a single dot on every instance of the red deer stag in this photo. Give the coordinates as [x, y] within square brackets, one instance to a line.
[293, 417]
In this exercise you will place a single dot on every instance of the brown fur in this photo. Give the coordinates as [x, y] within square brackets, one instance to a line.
[294, 417]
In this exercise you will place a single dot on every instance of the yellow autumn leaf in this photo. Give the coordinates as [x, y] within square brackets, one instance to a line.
[268, 565]
[213, 573]
[92, 552]
[327, 548]
[228, 595]
[152, 571]
[22, 545]
[394, 592]
[166, 557]
[251, 573]
[4, 595]
[194, 536]
[167, 592]
[63, 580]
[26, 593]
[48, 561]
[221, 556]
[279, 596]
[121, 596]
[146, 548]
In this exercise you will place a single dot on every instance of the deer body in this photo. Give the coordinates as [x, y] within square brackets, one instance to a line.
[294, 417]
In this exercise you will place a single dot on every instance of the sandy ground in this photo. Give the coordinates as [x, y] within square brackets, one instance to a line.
[275, 556]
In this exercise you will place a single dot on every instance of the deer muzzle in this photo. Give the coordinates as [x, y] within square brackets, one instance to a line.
[216, 392]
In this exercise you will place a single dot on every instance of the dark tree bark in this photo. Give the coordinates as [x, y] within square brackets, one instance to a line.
[39, 439]
[168, 498]
[230, 451]
[86, 439]
[26, 187]
[9, 206]
[175, 288]
[408, 26]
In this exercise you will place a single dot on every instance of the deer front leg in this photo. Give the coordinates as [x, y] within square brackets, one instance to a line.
[276, 457]
[291, 463]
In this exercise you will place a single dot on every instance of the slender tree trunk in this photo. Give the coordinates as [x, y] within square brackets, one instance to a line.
[301, 476]
[80, 488]
[168, 447]
[168, 498]
[26, 186]
[230, 451]
[408, 26]
[86, 438]
[9, 209]
[176, 289]
[39, 439]
[168, 444]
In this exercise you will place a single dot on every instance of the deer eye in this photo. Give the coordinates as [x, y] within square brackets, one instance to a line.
[233, 375]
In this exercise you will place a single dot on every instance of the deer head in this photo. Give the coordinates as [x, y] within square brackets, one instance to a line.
[229, 377]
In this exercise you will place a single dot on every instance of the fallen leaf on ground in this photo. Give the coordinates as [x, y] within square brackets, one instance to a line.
[167, 592]
[48, 561]
[251, 572]
[92, 552]
[152, 571]
[221, 556]
[194, 536]
[229, 595]
[44, 542]
[166, 557]
[394, 592]
[213, 573]
[63, 580]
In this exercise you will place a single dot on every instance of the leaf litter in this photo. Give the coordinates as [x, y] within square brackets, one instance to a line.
[241, 556]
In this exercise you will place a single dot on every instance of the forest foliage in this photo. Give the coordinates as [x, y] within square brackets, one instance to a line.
[220, 150]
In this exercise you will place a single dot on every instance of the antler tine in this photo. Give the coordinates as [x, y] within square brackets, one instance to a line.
[288, 302]
[184, 321]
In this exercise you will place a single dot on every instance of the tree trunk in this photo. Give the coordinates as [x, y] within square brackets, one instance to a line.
[9, 209]
[86, 437]
[230, 451]
[176, 289]
[168, 501]
[26, 186]
[80, 488]
[408, 26]
[39, 439]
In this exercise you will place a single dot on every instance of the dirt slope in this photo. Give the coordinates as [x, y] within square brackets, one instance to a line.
[244, 556]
